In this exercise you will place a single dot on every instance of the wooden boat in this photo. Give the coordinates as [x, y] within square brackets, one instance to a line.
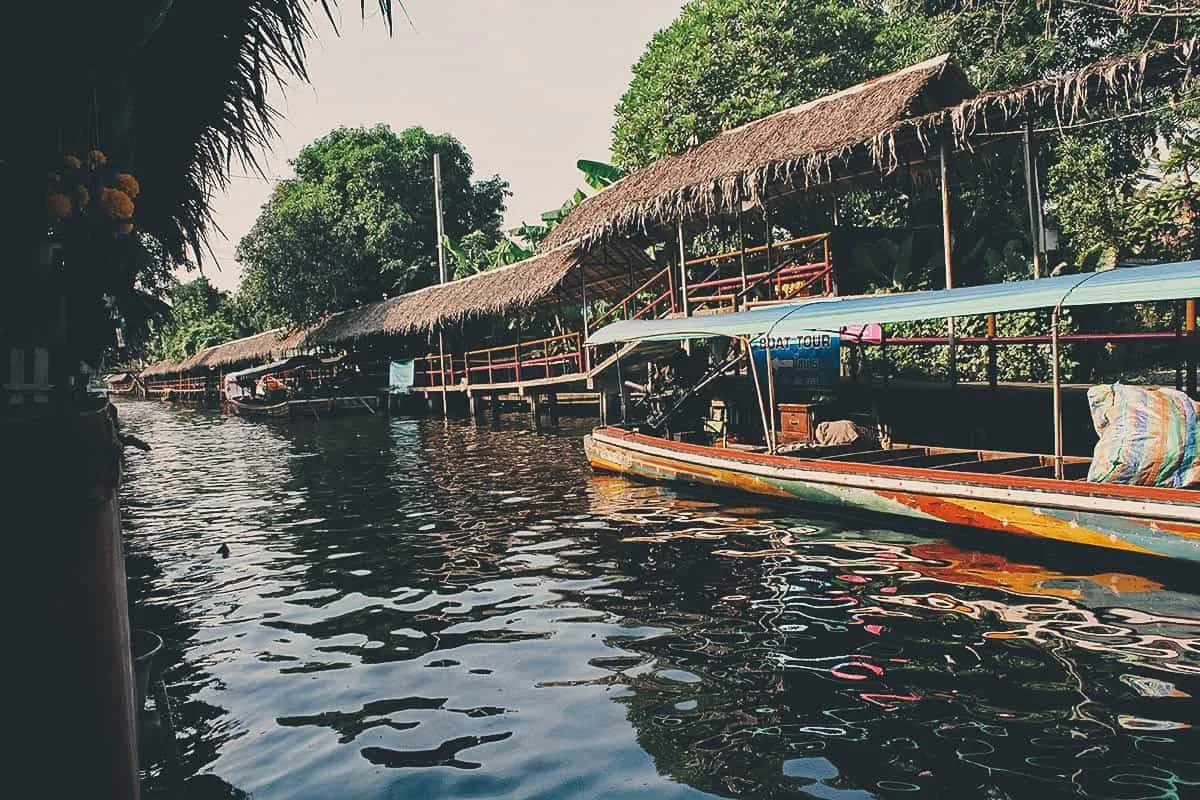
[258, 410]
[994, 491]
[1045, 496]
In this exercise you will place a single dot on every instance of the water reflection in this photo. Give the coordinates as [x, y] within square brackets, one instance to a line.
[409, 608]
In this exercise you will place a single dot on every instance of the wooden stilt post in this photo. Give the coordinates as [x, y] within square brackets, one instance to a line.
[944, 170]
[535, 412]
[1056, 377]
[1031, 196]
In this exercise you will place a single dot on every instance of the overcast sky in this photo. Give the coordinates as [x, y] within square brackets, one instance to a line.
[528, 86]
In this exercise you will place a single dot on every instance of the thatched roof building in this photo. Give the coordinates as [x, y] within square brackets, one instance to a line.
[556, 275]
[879, 127]
[259, 347]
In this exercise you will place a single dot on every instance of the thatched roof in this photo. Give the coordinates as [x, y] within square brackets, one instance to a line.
[546, 277]
[880, 126]
[1115, 83]
[737, 165]
[259, 347]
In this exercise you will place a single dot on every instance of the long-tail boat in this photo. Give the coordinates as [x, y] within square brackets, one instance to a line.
[1041, 495]
[295, 394]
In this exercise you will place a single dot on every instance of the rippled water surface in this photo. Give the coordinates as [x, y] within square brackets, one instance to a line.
[414, 610]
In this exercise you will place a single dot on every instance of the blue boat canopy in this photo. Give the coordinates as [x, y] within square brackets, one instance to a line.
[1121, 285]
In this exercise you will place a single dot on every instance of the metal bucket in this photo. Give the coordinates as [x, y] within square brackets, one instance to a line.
[146, 647]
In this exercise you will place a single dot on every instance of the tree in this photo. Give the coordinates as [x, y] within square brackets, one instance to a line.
[725, 62]
[201, 316]
[357, 222]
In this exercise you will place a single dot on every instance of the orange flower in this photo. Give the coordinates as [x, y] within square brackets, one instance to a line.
[116, 204]
[59, 205]
[125, 227]
[72, 162]
[82, 196]
[97, 158]
[128, 184]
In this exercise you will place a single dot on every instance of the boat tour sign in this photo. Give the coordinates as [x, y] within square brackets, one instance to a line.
[806, 360]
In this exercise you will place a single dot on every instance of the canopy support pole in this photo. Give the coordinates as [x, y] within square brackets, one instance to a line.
[1056, 377]
[1031, 196]
[773, 442]
[943, 159]
[762, 409]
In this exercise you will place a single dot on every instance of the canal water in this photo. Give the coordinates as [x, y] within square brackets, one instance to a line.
[389, 608]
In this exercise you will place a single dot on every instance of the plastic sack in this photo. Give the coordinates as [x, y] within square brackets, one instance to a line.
[1148, 437]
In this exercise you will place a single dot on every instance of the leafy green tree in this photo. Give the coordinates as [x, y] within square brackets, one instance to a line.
[201, 316]
[725, 62]
[357, 222]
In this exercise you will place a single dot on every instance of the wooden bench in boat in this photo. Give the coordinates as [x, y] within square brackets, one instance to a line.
[989, 462]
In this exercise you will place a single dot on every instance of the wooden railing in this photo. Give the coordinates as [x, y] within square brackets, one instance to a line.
[654, 299]
[184, 388]
[539, 359]
[795, 267]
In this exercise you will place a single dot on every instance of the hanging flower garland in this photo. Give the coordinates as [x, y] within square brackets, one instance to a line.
[72, 185]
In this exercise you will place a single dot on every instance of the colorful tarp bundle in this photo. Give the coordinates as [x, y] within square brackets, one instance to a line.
[1148, 437]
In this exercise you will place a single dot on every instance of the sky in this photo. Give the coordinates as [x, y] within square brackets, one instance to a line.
[528, 87]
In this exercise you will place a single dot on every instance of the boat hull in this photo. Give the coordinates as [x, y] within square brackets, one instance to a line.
[311, 409]
[259, 410]
[1159, 522]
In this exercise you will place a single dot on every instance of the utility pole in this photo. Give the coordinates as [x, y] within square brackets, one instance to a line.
[441, 254]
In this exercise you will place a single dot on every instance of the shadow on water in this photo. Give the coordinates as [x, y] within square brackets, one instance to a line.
[415, 609]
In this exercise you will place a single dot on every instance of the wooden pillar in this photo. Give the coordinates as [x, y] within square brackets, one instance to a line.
[535, 411]
[1032, 198]
[683, 278]
[552, 408]
[992, 378]
[742, 252]
[1193, 344]
[494, 403]
[585, 365]
[944, 170]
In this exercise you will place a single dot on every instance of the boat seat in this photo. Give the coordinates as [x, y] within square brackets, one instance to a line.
[880, 456]
[995, 466]
[935, 460]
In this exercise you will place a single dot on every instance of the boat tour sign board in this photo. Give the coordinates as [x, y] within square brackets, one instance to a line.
[806, 359]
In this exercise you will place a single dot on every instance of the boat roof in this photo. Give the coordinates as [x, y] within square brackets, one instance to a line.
[266, 369]
[1121, 285]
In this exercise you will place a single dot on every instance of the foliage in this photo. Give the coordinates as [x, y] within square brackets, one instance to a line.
[357, 222]
[474, 253]
[725, 62]
[201, 315]
[1113, 203]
